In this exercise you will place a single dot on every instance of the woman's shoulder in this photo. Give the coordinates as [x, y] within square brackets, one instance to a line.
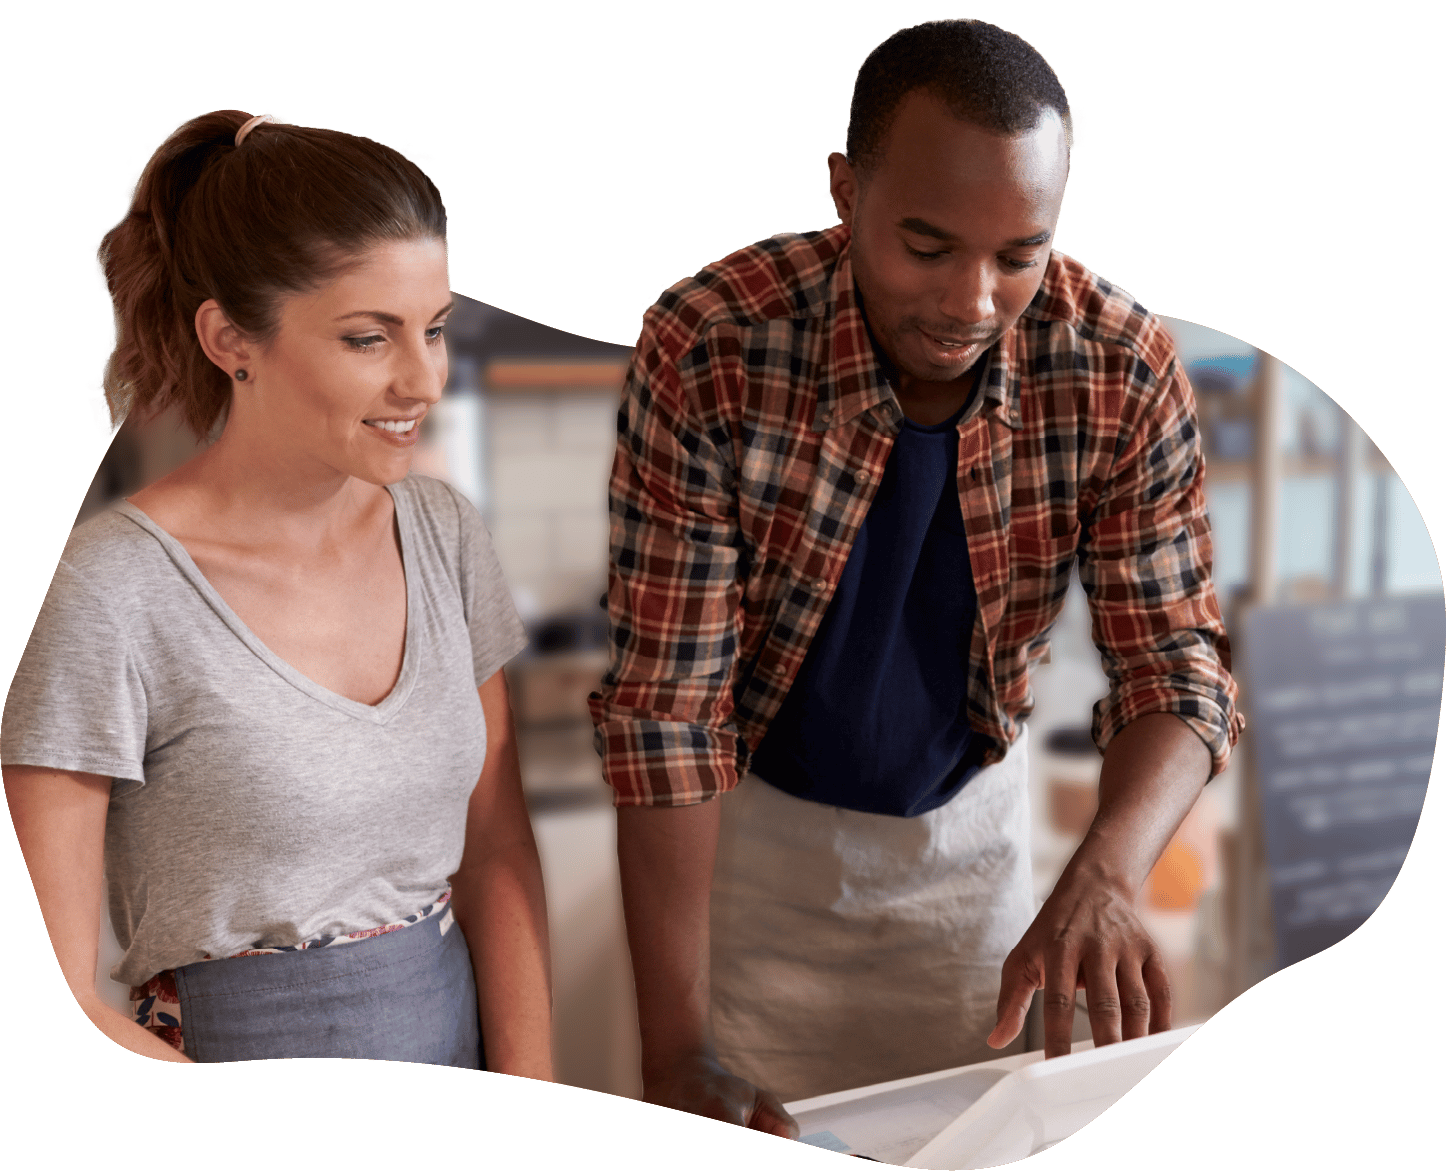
[430, 492]
[112, 547]
[109, 570]
[449, 534]
[438, 510]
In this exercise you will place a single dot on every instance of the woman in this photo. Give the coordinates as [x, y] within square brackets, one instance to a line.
[266, 690]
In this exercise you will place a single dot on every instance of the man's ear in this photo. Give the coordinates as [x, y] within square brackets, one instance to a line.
[843, 185]
[222, 341]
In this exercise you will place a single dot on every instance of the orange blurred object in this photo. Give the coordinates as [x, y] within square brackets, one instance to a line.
[1177, 879]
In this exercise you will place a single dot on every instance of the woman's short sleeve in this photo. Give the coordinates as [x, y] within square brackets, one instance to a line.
[78, 701]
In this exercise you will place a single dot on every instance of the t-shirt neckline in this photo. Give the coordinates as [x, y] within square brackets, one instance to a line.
[379, 713]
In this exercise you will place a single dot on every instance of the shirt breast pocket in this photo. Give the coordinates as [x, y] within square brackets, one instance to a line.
[1040, 557]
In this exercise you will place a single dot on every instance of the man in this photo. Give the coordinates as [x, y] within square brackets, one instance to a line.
[854, 471]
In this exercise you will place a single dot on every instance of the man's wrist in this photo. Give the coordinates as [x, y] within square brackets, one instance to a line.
[681, 1062]
[681, 1040]
[1099, 864]
[1152, 773]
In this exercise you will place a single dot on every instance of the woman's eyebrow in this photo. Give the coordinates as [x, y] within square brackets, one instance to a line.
[389, 318]
[392, 318]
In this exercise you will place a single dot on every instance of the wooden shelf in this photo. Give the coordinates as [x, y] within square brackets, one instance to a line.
[519, 376]
[1292, 466]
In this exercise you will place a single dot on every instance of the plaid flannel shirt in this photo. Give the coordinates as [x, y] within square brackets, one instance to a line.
[754, 427]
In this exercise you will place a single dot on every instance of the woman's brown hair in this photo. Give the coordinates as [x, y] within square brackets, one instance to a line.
[282, 213]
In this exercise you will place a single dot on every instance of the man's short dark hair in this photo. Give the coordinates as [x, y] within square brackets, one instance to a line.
[981, 73]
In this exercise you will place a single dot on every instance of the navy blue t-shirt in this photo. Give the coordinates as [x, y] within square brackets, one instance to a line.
[875, 720]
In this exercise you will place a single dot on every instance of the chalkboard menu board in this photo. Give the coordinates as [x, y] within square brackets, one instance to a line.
[1344, 701]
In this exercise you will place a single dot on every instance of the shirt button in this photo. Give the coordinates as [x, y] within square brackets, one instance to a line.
[827, 416]
[1014, 417]
[819, 585]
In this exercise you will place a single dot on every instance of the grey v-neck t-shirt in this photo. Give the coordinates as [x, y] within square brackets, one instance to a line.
[250, 806]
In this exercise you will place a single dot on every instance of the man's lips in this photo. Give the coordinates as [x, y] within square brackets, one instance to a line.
[946, 339]
[946, 351]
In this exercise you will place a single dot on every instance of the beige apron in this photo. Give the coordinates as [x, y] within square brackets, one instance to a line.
[852, 948]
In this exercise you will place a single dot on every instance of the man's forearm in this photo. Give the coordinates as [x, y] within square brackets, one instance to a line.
[665, 856]
[1153, 772]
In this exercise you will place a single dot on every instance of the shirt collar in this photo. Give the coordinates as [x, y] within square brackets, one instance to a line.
[854, 380]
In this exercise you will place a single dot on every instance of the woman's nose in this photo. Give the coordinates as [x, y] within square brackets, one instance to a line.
[422, 376]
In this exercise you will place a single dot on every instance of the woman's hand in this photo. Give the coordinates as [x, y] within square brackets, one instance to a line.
[60, 820]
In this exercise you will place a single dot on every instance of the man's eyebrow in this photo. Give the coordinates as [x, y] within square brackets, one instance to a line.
[392, 318]
[925, 228]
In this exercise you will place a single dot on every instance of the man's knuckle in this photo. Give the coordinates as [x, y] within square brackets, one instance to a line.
[1105, 1007]
[1064, 943]
[1058, 1002]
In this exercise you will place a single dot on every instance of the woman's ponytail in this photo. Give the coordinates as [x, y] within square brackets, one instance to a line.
[244, 225]
[158, 360]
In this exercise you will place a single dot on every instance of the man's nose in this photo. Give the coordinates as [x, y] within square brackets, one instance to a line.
[968, 298]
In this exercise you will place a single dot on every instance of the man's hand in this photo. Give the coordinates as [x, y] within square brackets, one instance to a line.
[700, 1085]
[1088, 936]
[665, 858]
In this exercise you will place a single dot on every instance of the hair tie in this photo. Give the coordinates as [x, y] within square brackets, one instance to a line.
[247, 126]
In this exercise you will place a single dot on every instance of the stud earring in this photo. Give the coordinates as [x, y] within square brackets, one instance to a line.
[240, 376]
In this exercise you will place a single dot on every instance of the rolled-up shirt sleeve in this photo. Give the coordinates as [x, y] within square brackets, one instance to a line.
[1145, 564]
[663, 717]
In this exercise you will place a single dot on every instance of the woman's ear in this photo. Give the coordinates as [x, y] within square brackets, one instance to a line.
[222, 341]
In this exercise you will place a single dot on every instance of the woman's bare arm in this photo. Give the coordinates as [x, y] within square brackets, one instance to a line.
[497, 898]
[60, 820]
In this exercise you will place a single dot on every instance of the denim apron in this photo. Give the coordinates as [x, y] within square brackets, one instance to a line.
[407, 995]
